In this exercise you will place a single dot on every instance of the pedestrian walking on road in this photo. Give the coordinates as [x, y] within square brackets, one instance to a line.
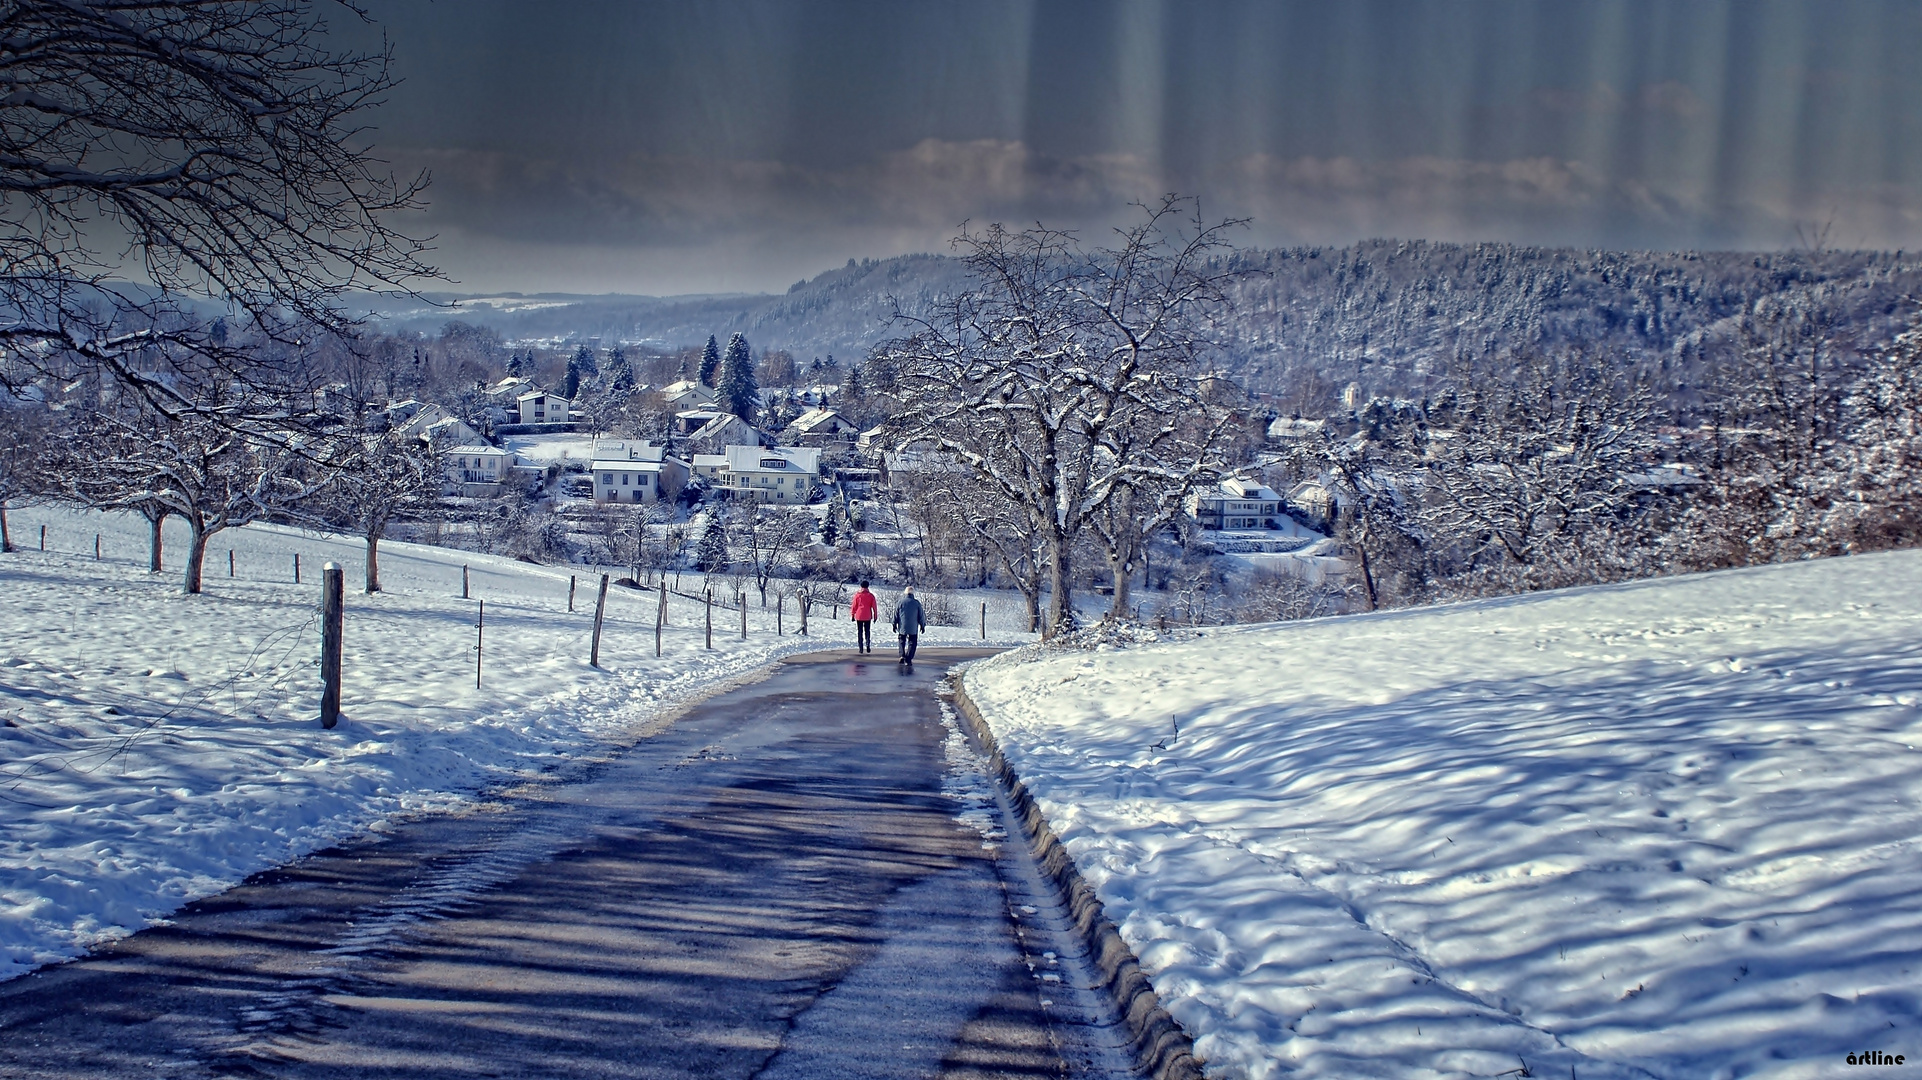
[862, 608]
[909, 621]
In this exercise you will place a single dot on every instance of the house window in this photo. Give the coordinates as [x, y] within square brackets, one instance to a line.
[624, 479]
[607, 479]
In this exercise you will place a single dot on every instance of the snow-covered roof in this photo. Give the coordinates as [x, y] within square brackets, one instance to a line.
[540, 393]
[476, 449]
[626, 451]
[803, 459]
[1294, 428]
[625, 465]
[809, 421]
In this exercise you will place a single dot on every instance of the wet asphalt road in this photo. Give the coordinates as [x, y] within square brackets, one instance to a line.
[776, 886]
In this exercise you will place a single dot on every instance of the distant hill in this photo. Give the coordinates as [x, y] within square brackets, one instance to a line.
[1387, 314]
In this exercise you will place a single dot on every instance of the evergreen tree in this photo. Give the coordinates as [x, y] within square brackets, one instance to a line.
[572, 387]
[710, 553]
[830, 530]
[584, 357]
[710, 361]
[620, 373]
[740, 394]
[515, 365]
[851, 388]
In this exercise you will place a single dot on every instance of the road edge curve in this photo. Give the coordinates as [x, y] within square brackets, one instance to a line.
[1159, 1045]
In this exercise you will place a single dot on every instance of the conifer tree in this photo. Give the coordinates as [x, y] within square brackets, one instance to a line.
[740, 393]
[710, 361]
[572, 387]
[710, 554]
[620, 373]
[584, 357]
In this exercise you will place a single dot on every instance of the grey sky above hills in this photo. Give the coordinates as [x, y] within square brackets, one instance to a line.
[668, 148]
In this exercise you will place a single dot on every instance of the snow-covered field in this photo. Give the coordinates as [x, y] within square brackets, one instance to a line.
[1671, 828]
[158, 748]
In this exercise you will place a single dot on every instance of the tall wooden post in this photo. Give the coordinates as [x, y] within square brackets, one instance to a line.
[570, 592]
[480, 621]
[743, 618]
[463, 581]
[230, 562]
[96, 547]
[600, 609]
[780, 609]
[660, 616]
[710, 618]
[332, 616]
[43, 538]
[984, 620]
[803, 601]
[296, 567]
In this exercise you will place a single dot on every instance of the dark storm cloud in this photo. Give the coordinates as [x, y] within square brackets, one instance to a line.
[677, 146]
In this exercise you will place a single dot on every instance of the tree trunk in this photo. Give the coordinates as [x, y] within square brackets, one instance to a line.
[1060, 600]
[6, 538]
[196, 553]
[1122, 571]
[153, 543]
[373, 561]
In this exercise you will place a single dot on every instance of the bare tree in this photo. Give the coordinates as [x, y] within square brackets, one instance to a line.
[767, 541]
[206, 149]
[1541, 466]
[1042, 378]
[377, 478]
[195, 467]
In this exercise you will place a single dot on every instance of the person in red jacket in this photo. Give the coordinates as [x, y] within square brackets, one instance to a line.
[862, 609]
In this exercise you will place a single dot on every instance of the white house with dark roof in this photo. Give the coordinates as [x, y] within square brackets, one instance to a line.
[778, 474]
[541, 407]
[688, 394]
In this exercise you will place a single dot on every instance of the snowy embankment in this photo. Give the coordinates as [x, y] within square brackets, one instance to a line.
[1671, 828]
[158, 748]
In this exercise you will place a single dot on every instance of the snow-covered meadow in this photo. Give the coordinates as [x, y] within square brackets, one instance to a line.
[158, 748]
[1670, 828]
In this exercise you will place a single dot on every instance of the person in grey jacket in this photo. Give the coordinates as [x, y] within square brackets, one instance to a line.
[909, 621]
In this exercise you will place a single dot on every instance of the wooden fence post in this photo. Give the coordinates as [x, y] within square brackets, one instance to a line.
[570, 592]
[230, 562]
[660, 616]
[780, 608]
[600, 609]
[96, 547]
[480, 621]
[803, 601]
[43, 538]
[710, 617]
[463, 581]
[743, 618]
[332, 616]
[296, 567]
[984, 620]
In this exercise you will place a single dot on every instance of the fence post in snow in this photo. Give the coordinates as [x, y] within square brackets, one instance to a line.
[43, 538]
[780, 609]
[463, 581]
[96, 547]
[296, 567]
[230, 562]
[600, 609]
[660, 616]
[570, 592]
[710, 618]
[480, 620]
[802, 600]
[332, 616]
[743, 618]
[984, 620]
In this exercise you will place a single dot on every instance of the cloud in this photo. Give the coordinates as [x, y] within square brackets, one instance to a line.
[789, 219]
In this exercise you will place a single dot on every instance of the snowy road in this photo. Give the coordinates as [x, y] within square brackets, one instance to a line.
[777, 885]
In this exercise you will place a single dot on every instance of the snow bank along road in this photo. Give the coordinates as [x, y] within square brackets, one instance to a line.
[801, 878]
[157, 748]
[1664, 829]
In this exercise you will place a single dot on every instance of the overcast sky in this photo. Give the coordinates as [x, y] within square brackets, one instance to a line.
[622, 146]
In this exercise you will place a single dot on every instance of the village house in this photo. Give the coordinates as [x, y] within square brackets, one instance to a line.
[1235, 503]
[688, 394]
[818, 427]
[780, 474]
[435, 425]
[541, 407]
[711, 429]
[476, 470]
[635, 473]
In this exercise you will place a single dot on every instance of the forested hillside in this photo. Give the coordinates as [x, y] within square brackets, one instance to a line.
[1388, 314]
